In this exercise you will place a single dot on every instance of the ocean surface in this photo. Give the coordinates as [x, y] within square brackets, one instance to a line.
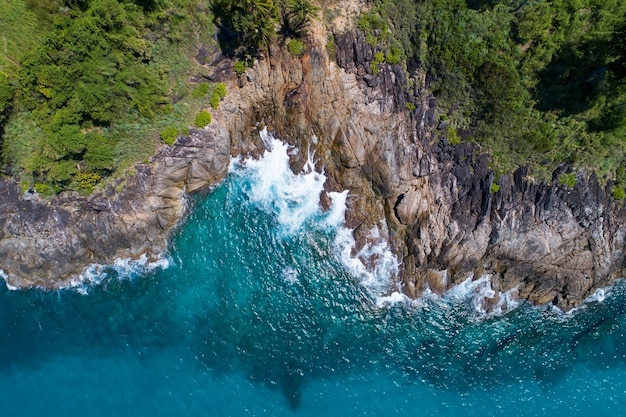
[261, 309]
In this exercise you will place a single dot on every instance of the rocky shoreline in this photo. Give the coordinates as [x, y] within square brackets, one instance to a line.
[431, 200]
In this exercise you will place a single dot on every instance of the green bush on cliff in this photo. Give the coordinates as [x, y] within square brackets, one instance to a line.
[215, 101]
[239, 67]
[568, 180]
[203, 119]
[296, 47]
[200, 90]
[220, 90]
[379, 59]
[219, 93]
[86, 181]
[618, 193]
[169, 135]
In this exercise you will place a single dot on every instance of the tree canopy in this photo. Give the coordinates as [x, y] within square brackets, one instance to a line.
[536, 82]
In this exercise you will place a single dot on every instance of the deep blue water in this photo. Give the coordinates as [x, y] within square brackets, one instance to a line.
[259, 314]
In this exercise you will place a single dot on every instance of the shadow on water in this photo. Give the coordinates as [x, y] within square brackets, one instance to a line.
[117, 316]
[281, 312]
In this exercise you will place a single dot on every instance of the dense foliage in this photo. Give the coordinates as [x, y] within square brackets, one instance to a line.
[90, 70]
[88, 87]
[92, 93]
[250, 26]
[537, 82]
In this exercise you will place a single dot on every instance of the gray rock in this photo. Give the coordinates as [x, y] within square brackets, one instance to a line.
[431, 200]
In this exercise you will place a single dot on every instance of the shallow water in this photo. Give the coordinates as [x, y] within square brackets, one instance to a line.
[262, 312]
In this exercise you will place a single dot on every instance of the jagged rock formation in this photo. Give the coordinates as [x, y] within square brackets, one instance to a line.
[48, 244]
[431, 200]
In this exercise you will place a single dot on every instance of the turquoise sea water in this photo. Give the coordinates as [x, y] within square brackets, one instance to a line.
[263, 312]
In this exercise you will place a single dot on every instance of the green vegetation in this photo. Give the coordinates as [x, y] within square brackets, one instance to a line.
[453, 135]
[331, 48]
[379, 35]
[203, 119]
[21, 28]
[169, 134]
[239, 67]
[201, 90]
[6, 98]
[90, 87]
[86, 181]
[568, 180]
[494, 187]
[86, 73]
[379, 58]
[218, 94]
[296, 47]
[618, 193]
[250, 26]
[220, 90]
[534, 82]
[87, 87]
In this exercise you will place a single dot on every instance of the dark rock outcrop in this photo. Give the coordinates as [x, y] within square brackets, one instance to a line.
[49, 243]
[554, 244]
[432, 201]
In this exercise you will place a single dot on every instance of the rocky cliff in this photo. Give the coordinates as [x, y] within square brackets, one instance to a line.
[432, 201]
[49, 243]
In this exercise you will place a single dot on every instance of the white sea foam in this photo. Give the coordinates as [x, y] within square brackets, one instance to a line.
[337, 212]
[598, 296]
[295, 199]
[94, 274]
[374, 264]
[393, 299]
[5, 277]
[121, 268]
[485, 301]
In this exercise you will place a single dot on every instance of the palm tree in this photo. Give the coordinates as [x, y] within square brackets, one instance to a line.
[262, 33]
[298, 15]
[258, 8]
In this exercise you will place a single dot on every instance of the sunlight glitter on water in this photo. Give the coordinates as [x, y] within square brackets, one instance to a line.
[258, 314]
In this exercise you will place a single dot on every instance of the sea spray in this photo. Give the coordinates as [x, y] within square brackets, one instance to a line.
[374, 264]
[121, 269]
[295, 201]
[5, 277]
[253, 319]
[293, 198]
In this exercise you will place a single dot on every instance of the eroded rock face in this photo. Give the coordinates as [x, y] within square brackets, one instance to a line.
[48, 244]
[430, 200]
[555, 245]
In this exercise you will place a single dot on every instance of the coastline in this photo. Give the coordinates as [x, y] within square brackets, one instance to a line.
[432, 201]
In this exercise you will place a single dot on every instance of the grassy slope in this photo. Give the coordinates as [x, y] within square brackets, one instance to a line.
[20, 30]
[175, 34]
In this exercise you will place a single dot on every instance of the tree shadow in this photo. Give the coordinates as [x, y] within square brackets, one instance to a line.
[574, 79]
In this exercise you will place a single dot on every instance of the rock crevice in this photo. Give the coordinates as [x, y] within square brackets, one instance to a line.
[432, 201]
